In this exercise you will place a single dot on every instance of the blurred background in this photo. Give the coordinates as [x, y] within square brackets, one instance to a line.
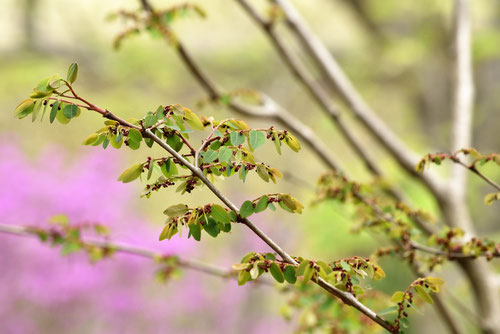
[396, 53]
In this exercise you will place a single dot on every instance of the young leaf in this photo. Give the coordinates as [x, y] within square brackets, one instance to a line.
[389, 310]
[195, 230]
[225, 154]
[420, 290]
[53, 111]
[277, 142]
[246, 209]
[72, 73]
[289, 274]
[91, 139]
[237, 138]
[25, 108]
[243, 277]
[256, 139]
[176, 210]
[220, 214]
[276, 272]
[262, 172]
[262, 204]
[70, 111]
[134, 135]
[397, 297]
[193, 120]
[131, 173]
[292, 142]
[210, 156]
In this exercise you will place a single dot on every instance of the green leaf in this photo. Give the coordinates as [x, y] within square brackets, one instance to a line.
[225, 154]
[209, 156]
[220, 214]
[308, 274]
[389, 310]
[262, 204]
[91, 139]
[397, 296]
[256, 139]
[36, 110]
[60, 115]
[262, 172]
[246, 209]
[134, 135]
[175, 142]
[420, 290]
[243, 173]
[277, 142]
[346, 266]
[72, 72]
[53, 111]
[177, 210]
[292, 142]
[70, 111]
[193, 120]
[302, 267]
[211, 228]
[195, 230]
[289, 274]
[25, 108]
[276, 272]
[243, 277]
[237, 138]
[131, 173]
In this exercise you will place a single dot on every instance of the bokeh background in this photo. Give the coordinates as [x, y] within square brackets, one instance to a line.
[397, 54]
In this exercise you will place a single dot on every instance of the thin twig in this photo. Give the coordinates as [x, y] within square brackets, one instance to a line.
[449, 255]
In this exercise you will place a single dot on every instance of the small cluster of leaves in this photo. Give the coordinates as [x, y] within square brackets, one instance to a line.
[49, 94]
[405, 300]
[169, 268]
[211, 218]
[224, 156]
[285, 201]
[156, 23]
[344, 274]
[68, 237]
[451, 241]
[478, 158]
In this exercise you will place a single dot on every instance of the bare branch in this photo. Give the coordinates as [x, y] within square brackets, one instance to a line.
[315, 90]
[402, 153]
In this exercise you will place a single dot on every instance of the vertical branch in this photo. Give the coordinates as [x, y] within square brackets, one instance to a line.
[455, 205]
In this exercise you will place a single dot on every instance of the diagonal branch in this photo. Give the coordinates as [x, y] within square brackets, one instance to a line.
[398, 149]
[346, 297]
[315, 90]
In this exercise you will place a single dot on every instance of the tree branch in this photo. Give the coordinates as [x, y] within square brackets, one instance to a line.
[315, 90]
[402, 154]
[128, 249]
[196, 171]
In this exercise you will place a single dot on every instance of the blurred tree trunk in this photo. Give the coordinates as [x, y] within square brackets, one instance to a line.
[29, 29]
